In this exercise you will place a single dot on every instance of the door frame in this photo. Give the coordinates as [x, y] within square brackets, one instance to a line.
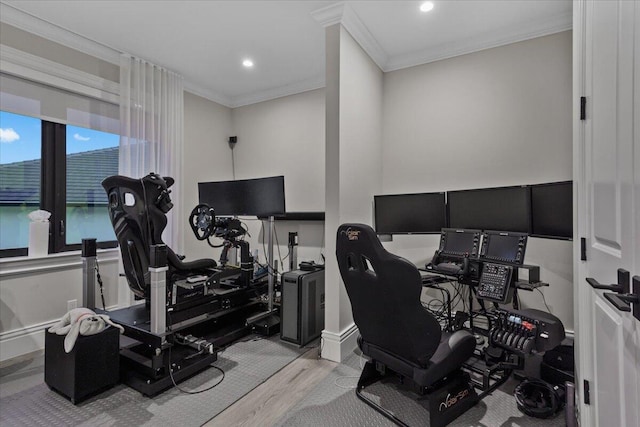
[582, 300]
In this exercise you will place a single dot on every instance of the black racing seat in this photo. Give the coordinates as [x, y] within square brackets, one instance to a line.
[396, 331]
[137, 209]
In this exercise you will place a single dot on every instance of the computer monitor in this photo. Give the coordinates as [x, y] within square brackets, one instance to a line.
[503, 208]
[410, 213]
[552, 210]
[504, 246]
[259, 197]
[459, 242]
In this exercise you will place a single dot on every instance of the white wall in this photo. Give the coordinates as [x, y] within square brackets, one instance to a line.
[497, 117]
[353, 167]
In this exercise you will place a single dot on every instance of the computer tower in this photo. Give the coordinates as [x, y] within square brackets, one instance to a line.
[302, 310]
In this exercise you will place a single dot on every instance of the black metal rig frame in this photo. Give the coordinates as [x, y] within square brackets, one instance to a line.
[154, 352]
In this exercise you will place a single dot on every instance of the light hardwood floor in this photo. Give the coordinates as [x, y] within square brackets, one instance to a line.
[268, 402]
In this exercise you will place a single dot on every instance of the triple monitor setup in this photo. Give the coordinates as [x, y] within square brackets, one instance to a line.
[483, 231]
[483, 242]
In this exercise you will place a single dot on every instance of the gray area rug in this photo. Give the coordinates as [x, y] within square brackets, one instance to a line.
[333, 402]
[247, 364]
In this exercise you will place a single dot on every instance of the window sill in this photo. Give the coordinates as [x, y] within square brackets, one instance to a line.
[25, 265]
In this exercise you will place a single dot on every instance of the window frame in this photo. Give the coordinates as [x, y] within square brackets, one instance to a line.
[53, 191]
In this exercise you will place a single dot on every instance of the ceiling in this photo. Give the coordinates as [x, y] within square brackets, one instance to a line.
[206, 41]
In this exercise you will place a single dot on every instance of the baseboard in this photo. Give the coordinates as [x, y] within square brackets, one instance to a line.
[23, 341]
[336, 347]
[20, 342]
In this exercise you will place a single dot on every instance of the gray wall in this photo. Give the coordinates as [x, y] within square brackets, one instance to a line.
[285, 136]
[206, 156]
[497, 117]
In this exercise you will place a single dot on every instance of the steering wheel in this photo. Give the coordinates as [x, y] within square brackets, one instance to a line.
[202, 221]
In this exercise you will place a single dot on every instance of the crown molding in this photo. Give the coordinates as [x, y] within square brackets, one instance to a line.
[343, 13]
[507, 36]
[24, 21]
[279, 92]
[361, 34]
[206, 93]
[329, 15]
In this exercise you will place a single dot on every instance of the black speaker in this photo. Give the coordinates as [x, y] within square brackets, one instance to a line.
[91, 367]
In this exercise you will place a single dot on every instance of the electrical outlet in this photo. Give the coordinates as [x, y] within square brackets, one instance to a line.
[71, 304]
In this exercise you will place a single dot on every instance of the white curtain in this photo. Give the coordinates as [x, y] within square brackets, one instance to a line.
[151, 135]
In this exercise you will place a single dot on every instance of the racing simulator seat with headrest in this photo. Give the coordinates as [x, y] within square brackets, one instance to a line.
[184, 310]
[138, 208]
[397, 333]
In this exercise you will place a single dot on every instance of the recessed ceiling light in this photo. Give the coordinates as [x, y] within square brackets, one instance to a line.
[426, 6]
[247, 63]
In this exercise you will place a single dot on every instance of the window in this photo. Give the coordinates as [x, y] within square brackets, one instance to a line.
[59, 168]
[91, 156]
[58, 145]
[20, 155]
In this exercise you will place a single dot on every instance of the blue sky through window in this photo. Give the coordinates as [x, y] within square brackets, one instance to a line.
[20, 138]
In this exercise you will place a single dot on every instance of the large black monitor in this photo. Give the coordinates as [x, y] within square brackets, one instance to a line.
[259, 197]
[552, 210]
[410, 213]
[503, 208]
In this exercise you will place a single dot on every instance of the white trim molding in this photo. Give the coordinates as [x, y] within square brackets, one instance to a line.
[329, 15]
[343, 13]
[354, 25]
[54, 262]
[487, 41]
[23, 341]
[208, 94]
[41, 70]
[336, 347]
[270, 94]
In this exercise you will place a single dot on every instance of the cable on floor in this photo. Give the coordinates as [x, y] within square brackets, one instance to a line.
[197, 391]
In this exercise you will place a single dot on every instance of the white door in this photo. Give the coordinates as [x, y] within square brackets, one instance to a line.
[607, 183]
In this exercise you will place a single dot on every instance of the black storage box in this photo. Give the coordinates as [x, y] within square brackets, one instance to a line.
[92, 366]
[557, 365]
